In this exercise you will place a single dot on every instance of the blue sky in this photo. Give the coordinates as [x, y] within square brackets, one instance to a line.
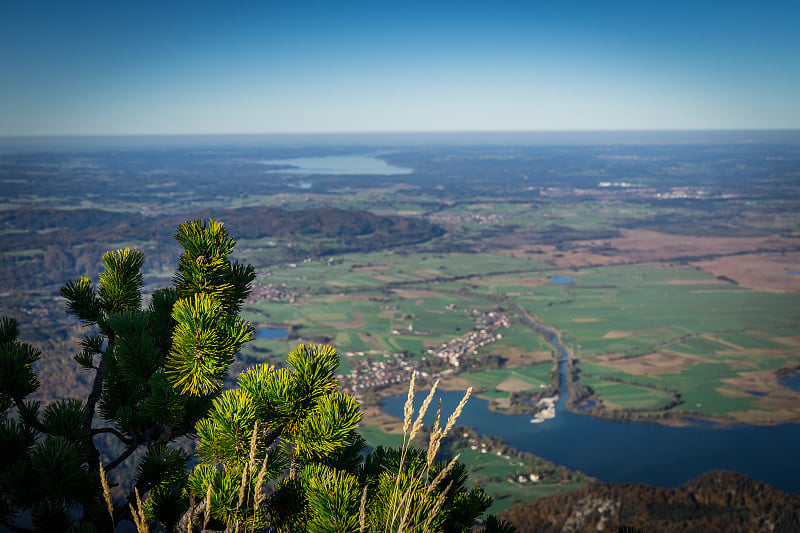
[199, 67]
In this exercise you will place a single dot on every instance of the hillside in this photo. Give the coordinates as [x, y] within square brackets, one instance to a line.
[715, 501]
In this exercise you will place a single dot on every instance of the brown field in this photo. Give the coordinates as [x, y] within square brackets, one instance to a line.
[428, 273]
[645, 245]
[789, 341]
[512, 280]
[511, 384]
[778, 405]
[357, 322]
[369, 268]
[722, 341]
[766, 272]
[623, 334]
[454, 383]
[373, 416]
[415, 294]
[693, 282]
[348, 298]
[618, 334]
[652, 364]
[584, 320]
[764, 381]
[517, 357]
[639, 246]
[500, 403]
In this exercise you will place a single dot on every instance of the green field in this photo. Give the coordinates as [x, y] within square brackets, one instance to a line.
[625, 311]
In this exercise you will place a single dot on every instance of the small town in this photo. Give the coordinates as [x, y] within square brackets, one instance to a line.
[272, 292]
[484, 332]
[378, 369]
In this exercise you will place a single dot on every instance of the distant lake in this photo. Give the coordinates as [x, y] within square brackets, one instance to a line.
[336, 164]
[562, 279]
[272, 333]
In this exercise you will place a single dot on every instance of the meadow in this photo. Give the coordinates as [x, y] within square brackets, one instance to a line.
[683, 303]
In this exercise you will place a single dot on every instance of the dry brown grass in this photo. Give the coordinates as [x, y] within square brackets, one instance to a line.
[517, 357]
[766, 272]
[369, 268]
[512, 384]
[401, 515]
[618, 334]
[637, 246]
[428, 273]
[623, 334]
[415, 294]
[652, 364]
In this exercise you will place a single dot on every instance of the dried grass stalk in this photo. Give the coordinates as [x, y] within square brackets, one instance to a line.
[106, 492]
[408, 409]
[403, 505]
[436, 507]
[441, 475]
[422, 410]
[362, 512]
[260, 482]
[191, 507]
[207, 510]
[138, 515]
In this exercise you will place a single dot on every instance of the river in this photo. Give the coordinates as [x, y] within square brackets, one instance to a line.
[636, 452]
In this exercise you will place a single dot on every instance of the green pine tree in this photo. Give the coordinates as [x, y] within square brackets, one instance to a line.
[279, 452]
[157, 370]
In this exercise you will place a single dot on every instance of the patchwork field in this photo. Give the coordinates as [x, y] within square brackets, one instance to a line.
[649, 337]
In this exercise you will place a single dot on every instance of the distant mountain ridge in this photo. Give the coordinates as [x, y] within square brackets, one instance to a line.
[717, 501]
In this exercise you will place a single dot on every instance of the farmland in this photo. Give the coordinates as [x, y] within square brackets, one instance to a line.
[681, 300]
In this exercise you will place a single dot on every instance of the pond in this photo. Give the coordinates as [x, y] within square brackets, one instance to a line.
[272, 333]
[562, 279]
[792, 382]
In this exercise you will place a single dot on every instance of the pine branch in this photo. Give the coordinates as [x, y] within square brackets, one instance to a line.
[91, 403]
[116, 462]
[113, 431]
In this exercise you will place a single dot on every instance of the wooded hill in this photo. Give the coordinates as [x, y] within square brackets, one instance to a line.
[58, 244]
[713, 502]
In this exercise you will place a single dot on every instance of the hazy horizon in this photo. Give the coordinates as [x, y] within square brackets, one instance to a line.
[13, 144]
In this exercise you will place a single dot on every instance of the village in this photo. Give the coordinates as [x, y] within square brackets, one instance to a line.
[379, 369]
[485, 332]
[272, 292]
